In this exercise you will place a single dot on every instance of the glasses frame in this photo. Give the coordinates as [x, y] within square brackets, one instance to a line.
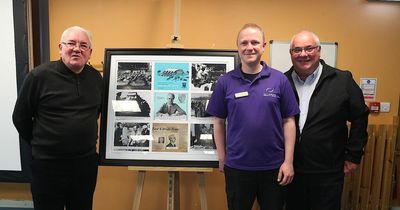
[307, 49]
[72, 45]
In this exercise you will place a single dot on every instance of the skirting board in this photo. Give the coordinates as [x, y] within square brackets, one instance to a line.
[16, 204]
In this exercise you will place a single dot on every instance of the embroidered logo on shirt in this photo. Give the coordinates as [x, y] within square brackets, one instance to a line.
[270, 92]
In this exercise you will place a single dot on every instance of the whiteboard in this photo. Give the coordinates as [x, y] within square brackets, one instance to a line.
[9, 149]
[279, 55]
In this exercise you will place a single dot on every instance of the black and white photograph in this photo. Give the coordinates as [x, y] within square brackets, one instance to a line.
[198, 105]
[130, 136]
[172, 141]
[135, 104]
[170, 106]
[205, 75]
[134, 76]
[202, 137]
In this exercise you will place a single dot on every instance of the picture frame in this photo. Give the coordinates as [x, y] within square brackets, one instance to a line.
[154, 106]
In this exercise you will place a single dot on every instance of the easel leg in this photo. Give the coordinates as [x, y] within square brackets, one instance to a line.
[139, 189]
[202, 187]
[173, 191]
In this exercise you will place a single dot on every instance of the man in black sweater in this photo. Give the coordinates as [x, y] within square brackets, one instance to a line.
[56, 113]
[325, 149]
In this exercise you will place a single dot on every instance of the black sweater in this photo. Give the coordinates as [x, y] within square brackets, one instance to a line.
[326, 142]
[57, 111]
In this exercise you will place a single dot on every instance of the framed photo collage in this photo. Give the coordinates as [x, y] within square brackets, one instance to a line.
[154, 110]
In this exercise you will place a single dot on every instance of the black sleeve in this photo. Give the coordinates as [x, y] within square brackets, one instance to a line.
[24, 108]
[358, 118]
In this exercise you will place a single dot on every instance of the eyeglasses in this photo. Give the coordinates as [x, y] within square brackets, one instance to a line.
[308, 49]
[72, 45]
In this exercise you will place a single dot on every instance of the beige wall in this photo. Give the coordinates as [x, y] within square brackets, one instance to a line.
[367, 32]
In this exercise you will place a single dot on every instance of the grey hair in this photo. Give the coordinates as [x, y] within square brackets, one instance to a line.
[316, 38]
[76, 28]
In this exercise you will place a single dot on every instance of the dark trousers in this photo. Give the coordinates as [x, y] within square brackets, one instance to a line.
[64, 183]
[243, 187]
[315, 192]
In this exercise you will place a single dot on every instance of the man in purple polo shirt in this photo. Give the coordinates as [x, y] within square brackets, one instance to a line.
[258, 105]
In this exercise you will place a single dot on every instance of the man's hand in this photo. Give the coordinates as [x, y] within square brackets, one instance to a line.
[349, 167]
[286, 173]
[221, 165]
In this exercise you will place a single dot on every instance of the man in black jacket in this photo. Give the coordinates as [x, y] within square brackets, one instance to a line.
[325, 149]
[56, 113]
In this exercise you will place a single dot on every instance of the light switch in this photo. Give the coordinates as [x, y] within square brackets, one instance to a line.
[385, 107]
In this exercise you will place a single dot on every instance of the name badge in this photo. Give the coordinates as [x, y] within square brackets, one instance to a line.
[241, 94]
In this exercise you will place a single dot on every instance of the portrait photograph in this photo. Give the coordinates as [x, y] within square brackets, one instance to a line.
[170, 106]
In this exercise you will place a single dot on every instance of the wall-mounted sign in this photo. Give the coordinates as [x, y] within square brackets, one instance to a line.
[368, 87]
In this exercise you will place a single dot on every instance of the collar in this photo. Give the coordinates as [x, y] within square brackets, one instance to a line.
[265, 71]
[311, 78]
[64, 68]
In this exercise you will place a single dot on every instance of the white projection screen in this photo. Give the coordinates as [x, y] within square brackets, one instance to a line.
[9, 149]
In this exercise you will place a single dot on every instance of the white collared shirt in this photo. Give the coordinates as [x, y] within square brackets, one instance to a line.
[305, 89]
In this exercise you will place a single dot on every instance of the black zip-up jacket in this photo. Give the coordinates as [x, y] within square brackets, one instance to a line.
[326, 142]
[57, 111]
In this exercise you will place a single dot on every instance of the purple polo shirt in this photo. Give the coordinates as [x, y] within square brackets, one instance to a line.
[254, 112]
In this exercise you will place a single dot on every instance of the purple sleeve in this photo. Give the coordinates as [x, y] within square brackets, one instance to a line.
[289, 105]
[217, 105]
